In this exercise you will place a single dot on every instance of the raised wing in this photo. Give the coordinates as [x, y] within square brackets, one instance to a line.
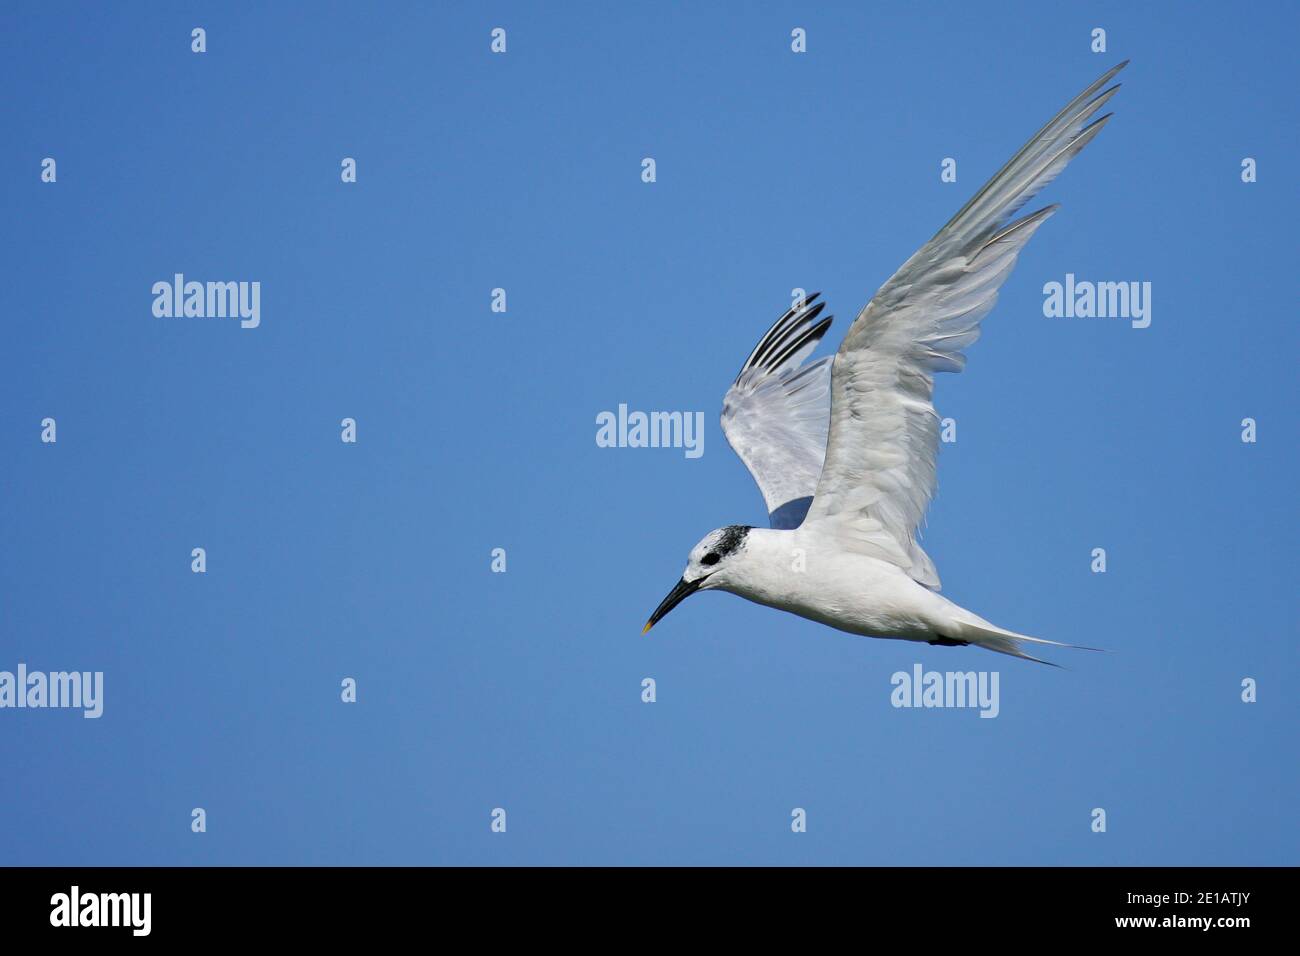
[775, 415]
[879, 473]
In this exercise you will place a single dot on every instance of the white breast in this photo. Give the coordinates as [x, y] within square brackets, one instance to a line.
[811, 576]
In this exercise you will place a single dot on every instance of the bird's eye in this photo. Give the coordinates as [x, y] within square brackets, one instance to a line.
[709, 558]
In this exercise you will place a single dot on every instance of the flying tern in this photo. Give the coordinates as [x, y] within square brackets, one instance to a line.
[844, 449]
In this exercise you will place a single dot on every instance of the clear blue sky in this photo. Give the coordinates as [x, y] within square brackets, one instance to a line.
[477, 430]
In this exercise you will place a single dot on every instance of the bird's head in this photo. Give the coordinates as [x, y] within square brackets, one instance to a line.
[709, 566]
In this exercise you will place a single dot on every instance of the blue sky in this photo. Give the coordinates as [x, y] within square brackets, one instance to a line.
[477, 430]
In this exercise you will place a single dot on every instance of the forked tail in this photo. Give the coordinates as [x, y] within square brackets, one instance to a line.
[986, 635]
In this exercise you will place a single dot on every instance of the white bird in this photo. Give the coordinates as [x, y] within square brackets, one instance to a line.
[844, 451]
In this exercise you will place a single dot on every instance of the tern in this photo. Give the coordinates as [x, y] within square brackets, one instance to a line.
[844, 449]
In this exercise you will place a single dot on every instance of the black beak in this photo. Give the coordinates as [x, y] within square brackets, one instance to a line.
[680, 592]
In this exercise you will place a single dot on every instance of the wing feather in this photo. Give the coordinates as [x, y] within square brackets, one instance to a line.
[775, 414]
[878, 474]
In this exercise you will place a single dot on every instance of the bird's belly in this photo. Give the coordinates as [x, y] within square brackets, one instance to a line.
[858, 598]
[867, 623]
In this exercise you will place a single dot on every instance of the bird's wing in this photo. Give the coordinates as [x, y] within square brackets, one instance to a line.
[775, 414]
[879, 472]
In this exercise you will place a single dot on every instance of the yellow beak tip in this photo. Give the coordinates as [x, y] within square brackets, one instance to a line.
[646, 629]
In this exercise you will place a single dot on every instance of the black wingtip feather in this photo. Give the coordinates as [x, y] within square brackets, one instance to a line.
[812, 335]
[777, 342]
[777, 338]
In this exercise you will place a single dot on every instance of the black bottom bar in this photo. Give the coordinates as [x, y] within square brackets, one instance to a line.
[336, 905]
